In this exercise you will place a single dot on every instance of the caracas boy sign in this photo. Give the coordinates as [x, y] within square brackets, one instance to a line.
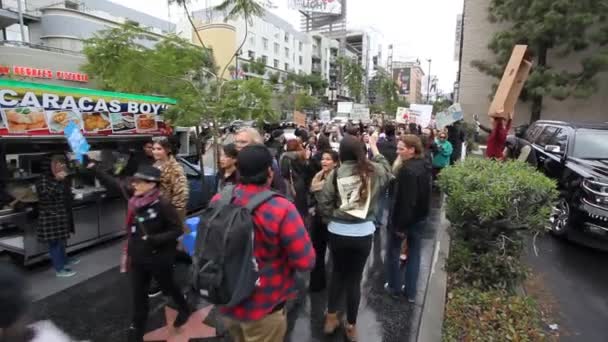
[37, 109]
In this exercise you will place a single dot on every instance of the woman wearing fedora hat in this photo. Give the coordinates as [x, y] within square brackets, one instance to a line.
[153, 226]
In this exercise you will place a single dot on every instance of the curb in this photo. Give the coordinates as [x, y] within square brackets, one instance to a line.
[431, 322]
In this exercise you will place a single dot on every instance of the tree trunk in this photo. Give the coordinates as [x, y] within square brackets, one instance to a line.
[537, 101]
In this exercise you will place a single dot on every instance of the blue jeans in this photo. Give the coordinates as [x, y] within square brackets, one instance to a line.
[58, 256]
[408, 275]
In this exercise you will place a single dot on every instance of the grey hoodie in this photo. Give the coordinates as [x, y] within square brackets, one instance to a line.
[329, 199]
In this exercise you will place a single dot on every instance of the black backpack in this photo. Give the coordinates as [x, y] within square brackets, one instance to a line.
[225, 271]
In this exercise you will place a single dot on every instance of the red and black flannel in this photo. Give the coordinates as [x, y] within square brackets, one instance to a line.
[282, 246]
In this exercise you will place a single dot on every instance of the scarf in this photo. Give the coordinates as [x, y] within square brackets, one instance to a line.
[137, 202]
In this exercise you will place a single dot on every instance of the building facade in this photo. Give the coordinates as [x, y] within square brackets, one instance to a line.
[49, 51]
[409, 77]
[475, 87]
[274, 40]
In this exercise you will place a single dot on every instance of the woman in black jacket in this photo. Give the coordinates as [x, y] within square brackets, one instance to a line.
[410, 209]
[153, 226]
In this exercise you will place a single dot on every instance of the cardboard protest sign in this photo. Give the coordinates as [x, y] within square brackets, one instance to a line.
[512, 82]
[299, 118]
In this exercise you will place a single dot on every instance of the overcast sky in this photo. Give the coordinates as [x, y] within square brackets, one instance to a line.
[420, 29]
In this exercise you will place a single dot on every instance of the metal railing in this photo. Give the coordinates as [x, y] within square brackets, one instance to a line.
[16, 43]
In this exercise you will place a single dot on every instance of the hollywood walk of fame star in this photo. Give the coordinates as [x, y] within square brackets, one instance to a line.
[194, 328]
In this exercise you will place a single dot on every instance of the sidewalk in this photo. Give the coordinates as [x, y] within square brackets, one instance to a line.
[96, 304]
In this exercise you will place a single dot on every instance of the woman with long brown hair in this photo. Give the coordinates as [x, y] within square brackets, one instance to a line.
[410, 208]
[347, 201]
[173, 181]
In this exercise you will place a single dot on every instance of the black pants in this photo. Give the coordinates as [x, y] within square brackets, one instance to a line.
[349, 255]
[141, 276]
[318, 235]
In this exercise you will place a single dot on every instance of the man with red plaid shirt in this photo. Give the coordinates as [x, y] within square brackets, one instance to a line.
[282, 247]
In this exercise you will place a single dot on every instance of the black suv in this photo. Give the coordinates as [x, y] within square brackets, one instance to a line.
[576, 156]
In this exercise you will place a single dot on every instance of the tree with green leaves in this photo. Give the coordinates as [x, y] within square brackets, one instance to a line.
[553, 30]
[352, 76]
[387, 93]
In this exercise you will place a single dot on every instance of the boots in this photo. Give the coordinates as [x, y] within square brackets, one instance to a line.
[182, 317]
[331, 323]
[351, 332]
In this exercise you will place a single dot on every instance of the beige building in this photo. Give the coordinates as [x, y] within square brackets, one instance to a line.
[409, 76]
[475, 86]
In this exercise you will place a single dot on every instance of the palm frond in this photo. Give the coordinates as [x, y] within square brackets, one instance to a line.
[241, 8]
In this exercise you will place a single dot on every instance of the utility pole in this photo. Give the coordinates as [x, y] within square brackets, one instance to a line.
[428, 86]
[21, 25]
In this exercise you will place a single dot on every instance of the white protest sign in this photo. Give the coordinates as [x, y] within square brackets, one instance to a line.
[402, 115]
[325, 115]
[360, 112]
[421, 114]
[451, 115]
[345, 108]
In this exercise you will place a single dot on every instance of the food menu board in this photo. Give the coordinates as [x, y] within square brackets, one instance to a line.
[39, 109]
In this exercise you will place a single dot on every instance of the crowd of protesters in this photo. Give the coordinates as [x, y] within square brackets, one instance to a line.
[340, 185]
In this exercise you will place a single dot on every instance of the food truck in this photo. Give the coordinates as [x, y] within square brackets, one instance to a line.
[32, 122]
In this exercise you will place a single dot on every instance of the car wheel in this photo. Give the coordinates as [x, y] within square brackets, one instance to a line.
[560, 218]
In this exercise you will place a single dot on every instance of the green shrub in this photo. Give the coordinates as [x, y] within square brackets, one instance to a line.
[482, 191]
[472, 315]
[490, 206]
[484, 270]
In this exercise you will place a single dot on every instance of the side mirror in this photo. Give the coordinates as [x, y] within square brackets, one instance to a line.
[553, 149]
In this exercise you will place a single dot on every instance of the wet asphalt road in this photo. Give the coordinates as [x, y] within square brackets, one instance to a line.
[575, 279]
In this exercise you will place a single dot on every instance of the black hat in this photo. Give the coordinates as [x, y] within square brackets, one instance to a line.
[253, 160]
[13, 296]
[147, 173]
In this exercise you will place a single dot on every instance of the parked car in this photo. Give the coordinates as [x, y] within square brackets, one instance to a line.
[200, 193]
[576, 156]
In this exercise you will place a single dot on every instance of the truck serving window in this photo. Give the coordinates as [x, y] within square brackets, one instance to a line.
[591, 144]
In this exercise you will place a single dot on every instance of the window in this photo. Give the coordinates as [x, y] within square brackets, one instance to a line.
[286, 52]
[265, 59]
[533, 132]
[276, 48]
[560, 138]
[545, 137]
[252, 39]
[276, 63]
[286, 37]
[286, 66]
[301, 60]
[300, 46]
[265, 43]
[591, 144]
[251, 54]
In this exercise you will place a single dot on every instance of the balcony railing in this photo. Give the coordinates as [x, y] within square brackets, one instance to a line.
[16, 43]
[13, 6]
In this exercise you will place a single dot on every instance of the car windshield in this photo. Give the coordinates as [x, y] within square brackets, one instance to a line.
[591, 144]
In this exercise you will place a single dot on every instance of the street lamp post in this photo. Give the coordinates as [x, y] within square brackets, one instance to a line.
[428, 86]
